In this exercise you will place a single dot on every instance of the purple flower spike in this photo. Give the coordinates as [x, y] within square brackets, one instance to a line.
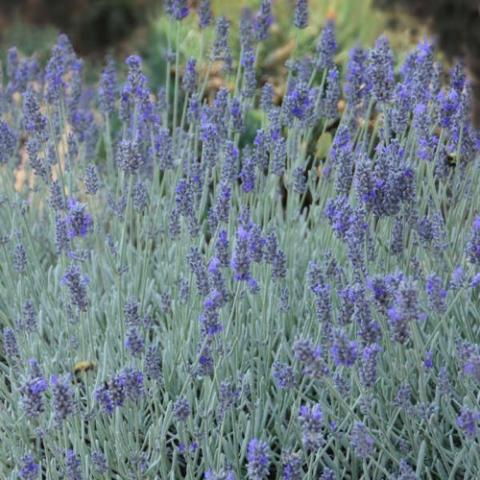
[380, 70]
[179, 9]
[300, 19]
[311, 421]
[76, 283]
[326, 46]
[344, 351]
[258, 458]
[361, 441]
[205, 15]
[64, 402]
[473, 246]
[467, 421]
[79, 222]
[263, 20]
[29, 468]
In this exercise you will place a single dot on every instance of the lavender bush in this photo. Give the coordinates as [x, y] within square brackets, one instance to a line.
[183, 298]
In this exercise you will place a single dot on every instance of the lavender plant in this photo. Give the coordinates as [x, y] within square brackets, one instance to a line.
[183, 298]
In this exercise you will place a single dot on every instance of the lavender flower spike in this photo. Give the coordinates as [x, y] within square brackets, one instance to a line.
[258, 458]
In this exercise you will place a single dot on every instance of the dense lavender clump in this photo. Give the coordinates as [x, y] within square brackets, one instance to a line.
[282, 270]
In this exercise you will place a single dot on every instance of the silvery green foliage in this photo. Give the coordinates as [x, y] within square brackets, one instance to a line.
[183, 296]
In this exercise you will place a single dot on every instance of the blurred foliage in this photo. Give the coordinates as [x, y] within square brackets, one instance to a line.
[93, 26]
[105, 23]
[29, 39]
[357, 21]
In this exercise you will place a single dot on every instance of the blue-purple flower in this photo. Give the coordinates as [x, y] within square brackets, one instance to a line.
[361, 440]
[76, 282]
[79, 221]
[467, 421]
[311, 421]
[326, 47]
[258, 458]
[380, 70]
[64, 402]
[473, 245]
[29, 469]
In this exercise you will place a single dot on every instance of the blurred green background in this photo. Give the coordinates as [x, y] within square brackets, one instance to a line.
[120, 27]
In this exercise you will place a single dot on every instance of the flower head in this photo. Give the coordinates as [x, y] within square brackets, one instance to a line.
[300, 19]
[263, 20]
[473, 245]
[181, 409]
[77, 285]
[64, 402]
[258, 458]
[361, 441]
[79, 221]
[311, 421]
[468, 421]
[29, 469]
[344, 351]
[326, 46]
[205, 15]
[380, 70]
